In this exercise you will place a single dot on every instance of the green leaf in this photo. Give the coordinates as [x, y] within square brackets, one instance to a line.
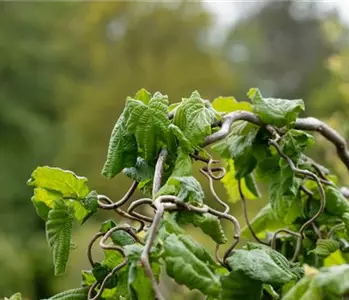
[295, 142]
[100, 272]
[265, 220]
[68, 184]
[139, 284]
[90, 203]
[187, 188]
[238, 286]
[327, 283]
[325, 247]
[141, 172]
[208, 223]
[183, 142]
[58, 232]
[248, 187]
[260, 266]
[74, 294]
[112, 258]
[297, 291]
[345, 219]
[229, 104]
[150, 125]
[186, 268]
[122, 150]
[278, 112]
[238, 145]
[106, 226]
[194, 119]
[81, 214]
[122, 238]
[283, 192]
[16, 296]
[43, 201]
[143, 95]
[87, 278]
[336, 203]
[270, 290]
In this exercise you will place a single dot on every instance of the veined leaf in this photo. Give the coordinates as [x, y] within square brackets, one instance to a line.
[58, 232]
[270, 290]
[143, 95]
[295, 142]
[257, 264]
[278, 112]
[336, 203]
[238, 145]
[150, 125]
[325, 247]
[122, 151]
[248, 186]
[263, 221]
[183, 142]
[43, 201]
[229, 104]
[238, 286]
[186, 268]
[139, 284]
[68, 184]
[208, 223]
[194, 119]
[345, 219]
[298, 290]
[74, 294]
[141, 171]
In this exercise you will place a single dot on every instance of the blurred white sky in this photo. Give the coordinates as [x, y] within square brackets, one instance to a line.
[229, 11]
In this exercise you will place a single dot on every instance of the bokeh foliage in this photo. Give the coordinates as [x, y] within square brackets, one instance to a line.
[66, 68]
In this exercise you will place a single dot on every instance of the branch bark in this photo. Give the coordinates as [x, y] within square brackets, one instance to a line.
[308, 124]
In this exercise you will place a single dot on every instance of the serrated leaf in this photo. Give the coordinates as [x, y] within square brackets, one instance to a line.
[186, 268]
[87, 278]
[231, 184]
[149, 123]
[265, 220]
[73, 294]
[183, 142]
[143, 95]
[273, 111]
[295, 142]
[238, 286]
[238, 145]
[68, 184]
[336, 203]
[325, 247]
[122, 150]
[139, 284]
[194, 119]
[112, 258]
[122, 238]
[187, 188]
[142, 171]
[208, 223]
[258, 265]
[283, 191]
[58, 232]
[230, 104]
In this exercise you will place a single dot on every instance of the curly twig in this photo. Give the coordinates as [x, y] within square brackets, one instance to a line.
[244, 207]
[90, 245]
[308, 124]
[122, 201]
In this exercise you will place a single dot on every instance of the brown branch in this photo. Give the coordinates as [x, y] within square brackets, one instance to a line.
[122, 201]
[308, 124]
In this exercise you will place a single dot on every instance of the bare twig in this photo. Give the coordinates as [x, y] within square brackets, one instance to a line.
[213, 192]
[308, 124]
[243, 201]
[90, 245]
[122, 201]
[159, 168]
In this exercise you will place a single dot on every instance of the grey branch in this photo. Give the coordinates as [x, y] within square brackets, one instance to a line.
[308, 124]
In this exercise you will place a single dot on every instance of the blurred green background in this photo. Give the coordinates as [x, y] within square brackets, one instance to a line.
[66, 69]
